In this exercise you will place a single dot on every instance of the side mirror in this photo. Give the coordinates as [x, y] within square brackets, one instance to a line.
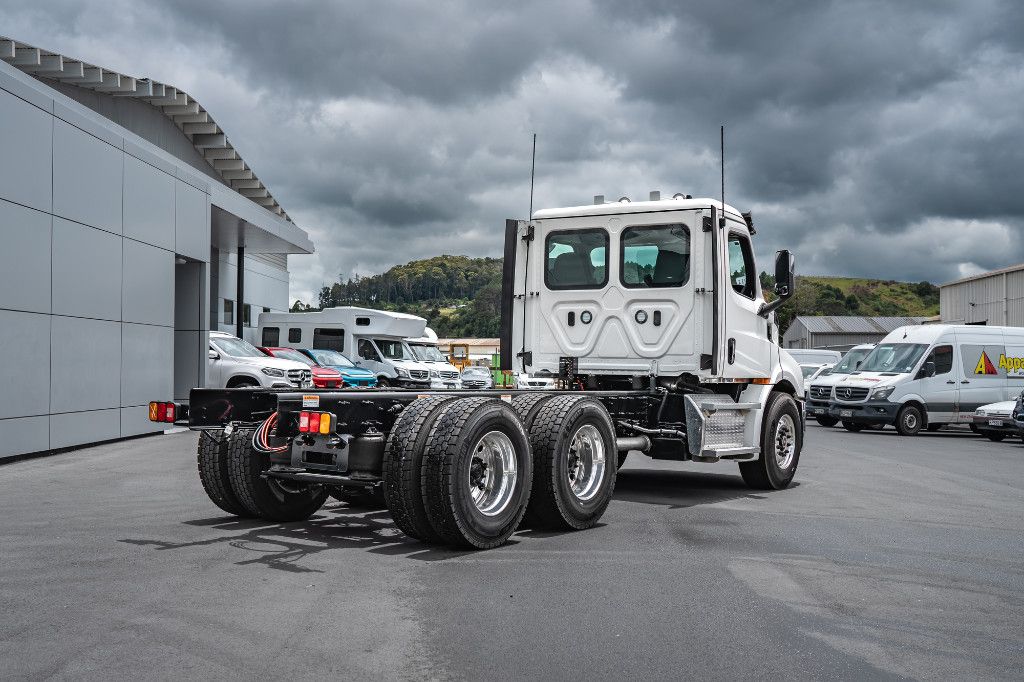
[214, 355]
[785, 281]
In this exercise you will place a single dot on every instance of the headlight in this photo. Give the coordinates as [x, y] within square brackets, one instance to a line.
[882, 393]
[980, 413]
[273, 372]
[434, 374]
[402, 372]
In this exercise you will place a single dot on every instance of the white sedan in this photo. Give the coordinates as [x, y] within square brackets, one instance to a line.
[995, 420]
[534, 383]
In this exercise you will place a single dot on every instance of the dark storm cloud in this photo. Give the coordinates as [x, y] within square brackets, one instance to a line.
[874, 138]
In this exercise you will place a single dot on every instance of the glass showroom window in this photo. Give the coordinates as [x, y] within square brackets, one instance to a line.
[229, 311]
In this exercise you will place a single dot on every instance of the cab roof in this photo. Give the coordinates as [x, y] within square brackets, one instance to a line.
[625, 207]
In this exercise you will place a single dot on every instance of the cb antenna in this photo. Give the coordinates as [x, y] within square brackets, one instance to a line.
[721, 219]
[533, 169]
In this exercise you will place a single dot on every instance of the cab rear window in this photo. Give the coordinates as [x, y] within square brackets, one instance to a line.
[655, 256]
[576, 259]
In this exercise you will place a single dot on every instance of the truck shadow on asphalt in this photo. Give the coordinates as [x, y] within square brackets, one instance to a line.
[285, 546]
[682, 489]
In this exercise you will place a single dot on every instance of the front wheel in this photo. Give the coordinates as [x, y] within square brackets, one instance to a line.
[995, 437]
[827, 421]
[781, 442]
[853, 427]
[383, 382]
[909, 421]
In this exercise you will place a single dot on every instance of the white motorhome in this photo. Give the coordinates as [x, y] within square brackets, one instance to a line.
[443, 374]
[930, 375]
[372, 339]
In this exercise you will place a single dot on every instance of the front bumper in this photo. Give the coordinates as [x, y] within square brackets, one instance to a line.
[998, 424]
[446, 383]
[816, 408]
[870, 412]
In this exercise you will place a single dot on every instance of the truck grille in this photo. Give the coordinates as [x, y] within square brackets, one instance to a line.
[299, 377]
[851, 394]
[418, 373]
[821, 392]
[449, 375]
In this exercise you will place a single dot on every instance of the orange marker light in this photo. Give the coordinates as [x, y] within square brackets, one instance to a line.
[153, 409]
[325, 423]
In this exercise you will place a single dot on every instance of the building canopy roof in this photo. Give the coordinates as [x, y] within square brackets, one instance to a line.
[181, 108]
[983, 275]
[854, 324]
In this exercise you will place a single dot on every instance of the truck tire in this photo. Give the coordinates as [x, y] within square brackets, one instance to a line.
[212, 462]
[477, 472]
[853, 427]
[781, 442]
[909, 420]
[573, 442]
[403, 465]
[995, 436]
[827, 421]
[265, 498]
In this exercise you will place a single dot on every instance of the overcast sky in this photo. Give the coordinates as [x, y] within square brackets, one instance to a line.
[879, 139]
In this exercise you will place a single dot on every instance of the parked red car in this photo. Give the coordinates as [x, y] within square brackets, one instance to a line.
[323, 377]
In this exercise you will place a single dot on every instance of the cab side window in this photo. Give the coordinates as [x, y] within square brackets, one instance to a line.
[742, 274]
[367, 351]
[942, 356]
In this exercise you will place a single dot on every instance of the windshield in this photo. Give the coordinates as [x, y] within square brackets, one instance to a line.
[393, 350]
[480, 371]
[849, 362]
[237, 348]
[331, 357]
[427, 353]
[893, 357]
[288, 354]
[808, 370]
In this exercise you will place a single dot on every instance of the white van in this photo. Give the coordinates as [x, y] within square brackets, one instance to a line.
[443, 374]
[371, 339]
[819, 388]
[812, 356]
[930, 375]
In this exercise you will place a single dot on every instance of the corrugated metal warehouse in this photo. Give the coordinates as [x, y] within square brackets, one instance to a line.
[995, 298]
[841, 332]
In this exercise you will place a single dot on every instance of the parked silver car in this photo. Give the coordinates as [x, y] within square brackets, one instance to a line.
[477, 378]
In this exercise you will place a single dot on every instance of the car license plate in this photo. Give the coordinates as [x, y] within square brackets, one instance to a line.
[818, 410]
[995, 422]
[845, 413]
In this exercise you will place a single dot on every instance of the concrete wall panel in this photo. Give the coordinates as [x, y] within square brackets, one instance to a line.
[24, 258]
[22, 436]
[26, 137]
[25, 369]
[86, 271]
[135, 421]
[148, 204]
[87, 178]
[85, 365]
[77, 428]
[148, 284]
[191, 222]
[147, 370]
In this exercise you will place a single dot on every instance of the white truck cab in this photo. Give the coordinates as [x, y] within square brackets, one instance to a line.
[663, 294]
[236, 363]
[371, 339]
[443, 374]
[927, 376]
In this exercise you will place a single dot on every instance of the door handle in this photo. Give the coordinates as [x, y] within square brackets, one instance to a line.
[950, 382]
[732, 351]
[965, 381]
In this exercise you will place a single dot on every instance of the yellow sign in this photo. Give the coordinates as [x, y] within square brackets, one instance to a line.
[1011, 364]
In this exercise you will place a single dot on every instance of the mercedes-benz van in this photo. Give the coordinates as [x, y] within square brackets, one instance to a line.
[927, 376]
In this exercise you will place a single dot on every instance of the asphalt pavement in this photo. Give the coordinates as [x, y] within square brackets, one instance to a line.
[889, 557]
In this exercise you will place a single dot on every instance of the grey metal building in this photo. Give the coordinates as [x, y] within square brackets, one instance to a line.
[995, 298]
[124, 214]
[841, 332]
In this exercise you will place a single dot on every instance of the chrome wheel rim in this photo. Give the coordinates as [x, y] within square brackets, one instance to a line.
[492, 473]
[586, 462]
[785, 441]
[910, 420]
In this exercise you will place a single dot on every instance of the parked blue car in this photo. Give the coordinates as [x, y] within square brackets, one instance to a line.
[352, 375]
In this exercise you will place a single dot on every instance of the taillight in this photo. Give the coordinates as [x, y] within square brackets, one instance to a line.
[315, 422]
[162, 412]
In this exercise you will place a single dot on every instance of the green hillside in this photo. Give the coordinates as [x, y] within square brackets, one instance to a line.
[461, 296]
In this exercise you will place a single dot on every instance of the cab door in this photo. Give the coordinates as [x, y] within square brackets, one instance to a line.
[617, 292]
[941, 390]
[744, 345]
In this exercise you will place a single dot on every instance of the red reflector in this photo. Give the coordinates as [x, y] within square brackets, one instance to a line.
[304, 422]
[314, 422]
[170, 412]
[161, 412]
